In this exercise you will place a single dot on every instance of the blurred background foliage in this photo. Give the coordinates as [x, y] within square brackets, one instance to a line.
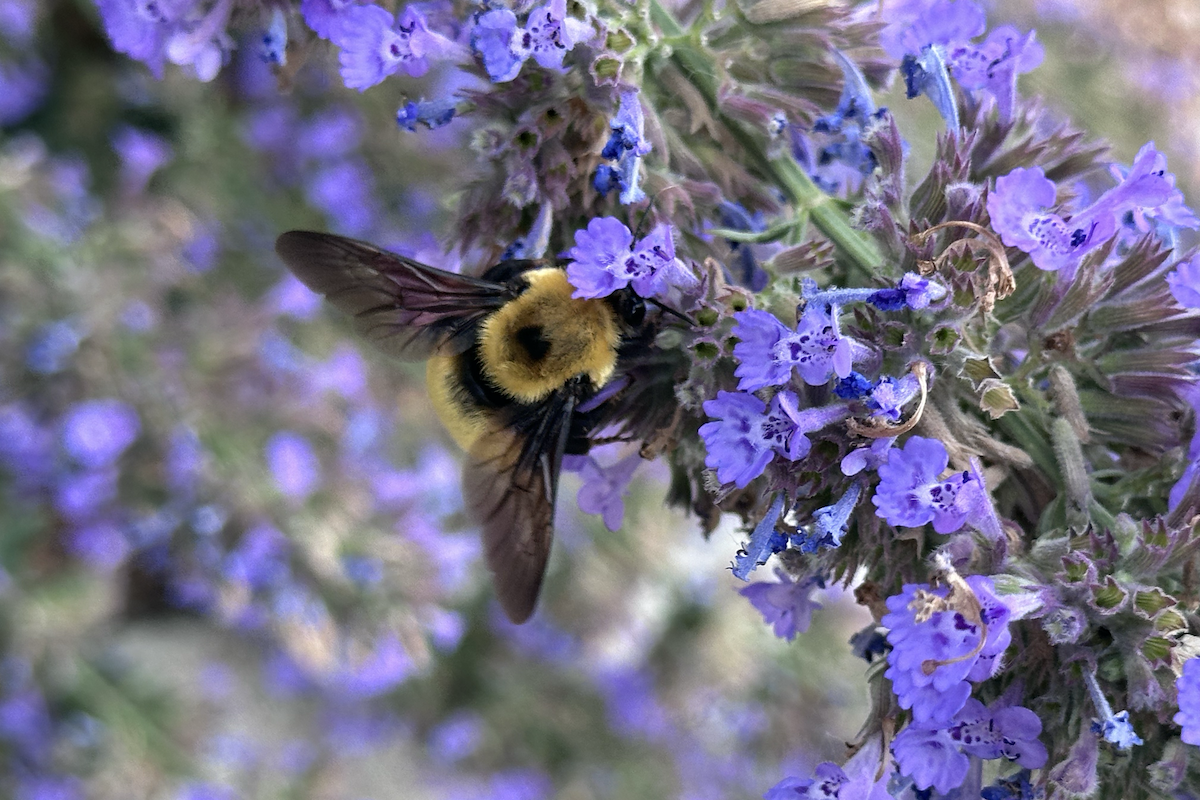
[233, 558]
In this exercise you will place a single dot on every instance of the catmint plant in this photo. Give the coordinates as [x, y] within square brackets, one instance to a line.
[969, 394]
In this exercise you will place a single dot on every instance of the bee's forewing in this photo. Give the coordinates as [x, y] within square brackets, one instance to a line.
[406, 308]
[509, 484]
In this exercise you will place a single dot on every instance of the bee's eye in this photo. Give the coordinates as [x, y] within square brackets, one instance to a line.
[530, 337]
[633, 309]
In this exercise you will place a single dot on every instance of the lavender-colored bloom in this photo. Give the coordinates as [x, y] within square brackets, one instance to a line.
[23, 86]
[324, 16]
[1017, 209]
[96, 432]
[854, 780]
[626, 145]
[910, 494]
[293, 464]
[1187, 687]
[293, 298]
[994, 63]
[52, 347]
[748, 434]
[142, 154]
[920, 292]
[49, 787]
[1149, 164]
[1118, 730]
[260, 559]
[830, 523]
[930, 758]
[272, 46]
[1008, 732]
[203, 44]
[915, 26]
[765, 541]
[430, 113]
[26, 725]
[888, 396]
[344, 372]
[345, 192]
[931, 661]
[386, 667]
[492, 38]
[604, 259]
[140, 28]
[1184, 281]
[78, 496]
[786, 605]
[205, 791]
[184, 460]
[768, 351]
[101, 544]
[869, 457]
[374, 45]
[604, 488]
[549, 35]
[926, 74]
[457, 737]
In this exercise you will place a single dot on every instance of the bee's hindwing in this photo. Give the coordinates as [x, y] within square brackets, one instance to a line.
[408, 309]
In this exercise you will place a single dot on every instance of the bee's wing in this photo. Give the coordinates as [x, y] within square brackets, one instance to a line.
[408, 309]
[509, 483]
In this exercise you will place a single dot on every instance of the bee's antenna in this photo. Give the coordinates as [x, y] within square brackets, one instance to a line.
[672, 311]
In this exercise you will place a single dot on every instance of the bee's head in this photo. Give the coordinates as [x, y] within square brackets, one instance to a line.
[629, 307]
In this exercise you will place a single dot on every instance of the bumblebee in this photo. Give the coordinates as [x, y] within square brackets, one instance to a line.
[514, 367]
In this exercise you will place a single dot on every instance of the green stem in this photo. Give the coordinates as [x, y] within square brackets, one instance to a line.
[689, 57]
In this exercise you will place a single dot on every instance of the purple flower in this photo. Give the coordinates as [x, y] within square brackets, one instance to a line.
[930, 758]
[914, 26]
[748, 434]
[272, 46]
[604, 487]
[1148, 165]
[768, 351]
[888, 396]
[1184, 281]
[869, 457]
[52, 346]
[23, 85]
[96, 432]
[202, 44]
[140, 28]
[926, 74]
[764, 542]
[430, 113]
[920, 292]
[854, 780]
[101, 544]
[549, 35]
[293, 464]
[385, 667]
[1018, 208]
[604, 259]
[49, 787]
[344, 190]
[1008, 732]
[78, 496]
[830, 523]
[786, 605]
[492, 39]
[260, 559]
[457, 737]
[994, 63]
[910, 494]
[141, 154]
[324, 16]
[626, 145]
[1187, 687]
[374, 45]
[293, 298]
[932, 660]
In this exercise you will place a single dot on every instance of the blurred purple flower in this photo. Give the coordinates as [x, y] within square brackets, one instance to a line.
[325, 16]
[633, 708]
[260, 559]
[520, 784]
[344, 191]
[386, 667]
[344, 373]
[293, 464]
[430, 113]
[142, 154]
[293, 298]
[932, 661]
[203, 44]
[787, 605]
[52, 346]
[101, 544]
[272, 45]
[456, 737]
[184, 460]
[1187, 687]
[205, 791]
[96, 432]
[26, 447]
[203, 249]
[1184, 281]
[604, 488]
[913, 26]
[49, 787]
[25, 723]
[140, 28]
[23, 87]
[18, 21]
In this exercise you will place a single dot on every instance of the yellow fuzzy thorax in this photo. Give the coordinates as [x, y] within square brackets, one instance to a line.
[582, 336]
